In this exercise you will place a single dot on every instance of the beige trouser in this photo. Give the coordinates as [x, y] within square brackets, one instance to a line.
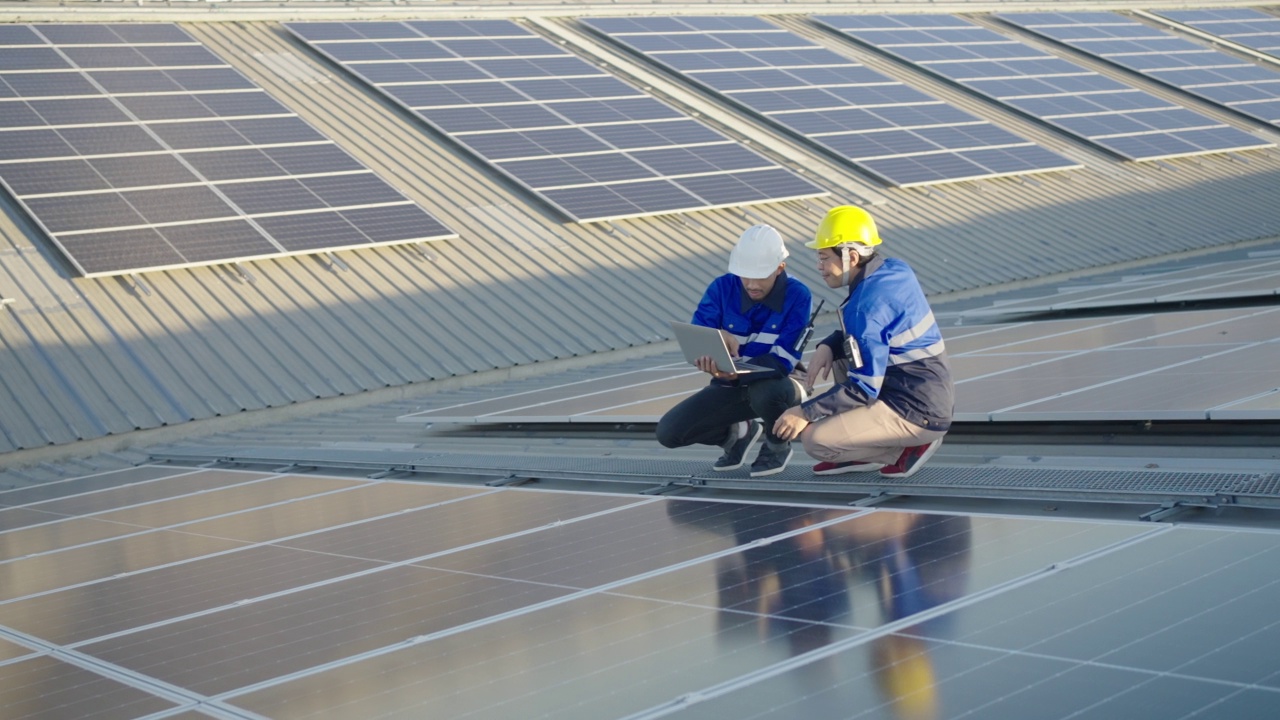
[874, 433]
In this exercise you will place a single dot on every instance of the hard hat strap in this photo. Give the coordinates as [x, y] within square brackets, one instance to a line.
[844, 264]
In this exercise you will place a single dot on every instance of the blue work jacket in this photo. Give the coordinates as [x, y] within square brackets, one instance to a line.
[767, 331]
[894, 347]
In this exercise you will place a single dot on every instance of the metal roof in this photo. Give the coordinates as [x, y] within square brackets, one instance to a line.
[85, 359]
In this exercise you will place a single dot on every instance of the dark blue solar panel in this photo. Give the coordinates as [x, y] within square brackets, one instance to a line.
[624, 199]
[549, 172]
[31, 58]
[700, 159]
[468, 28]
[89, 150]
[49, 84]
[1049, 88]
[831, 100]
[1246, 26]
[559, 125]
[535, 143]
[1252, 90]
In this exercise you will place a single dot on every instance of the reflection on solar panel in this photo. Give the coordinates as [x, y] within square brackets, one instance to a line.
[1215, 76]
[1108, 368]
[291, 595]
[1250, 28]
[1257, 278]
[135, 148]
[898, 134]
[1131, 123]
[591, 145]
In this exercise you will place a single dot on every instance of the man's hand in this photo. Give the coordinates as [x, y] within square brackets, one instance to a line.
[790, 424]
[819, 367]
[707, 365]
[730, 342]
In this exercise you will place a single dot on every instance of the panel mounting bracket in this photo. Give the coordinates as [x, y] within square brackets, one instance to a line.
[244, 273]
[425, 253]
[334, 261]
[875, 497]
[510, 480]
[615, 230]
[1164, 512]
[139, 285]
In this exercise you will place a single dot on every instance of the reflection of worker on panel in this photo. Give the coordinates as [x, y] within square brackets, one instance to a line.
[806, 586]
[917, 562]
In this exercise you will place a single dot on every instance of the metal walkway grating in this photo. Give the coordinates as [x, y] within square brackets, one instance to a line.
[1088, 485]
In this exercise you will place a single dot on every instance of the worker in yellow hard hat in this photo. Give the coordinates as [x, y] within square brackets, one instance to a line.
[762, 313]
[893, 397]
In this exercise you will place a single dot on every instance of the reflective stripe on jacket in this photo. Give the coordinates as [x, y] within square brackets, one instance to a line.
[903, 357]
[770, 327]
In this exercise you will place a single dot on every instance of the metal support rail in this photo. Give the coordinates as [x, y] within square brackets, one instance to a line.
[1164, 488]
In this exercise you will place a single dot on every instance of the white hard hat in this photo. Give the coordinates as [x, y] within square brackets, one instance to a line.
[758, 253]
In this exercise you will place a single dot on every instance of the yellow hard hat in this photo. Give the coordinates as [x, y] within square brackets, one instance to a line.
[845, 224]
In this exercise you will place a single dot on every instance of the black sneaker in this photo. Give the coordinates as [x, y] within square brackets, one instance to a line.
[771, 460]
[735, 455]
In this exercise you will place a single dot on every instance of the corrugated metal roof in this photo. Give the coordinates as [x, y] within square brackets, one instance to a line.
[89, 358]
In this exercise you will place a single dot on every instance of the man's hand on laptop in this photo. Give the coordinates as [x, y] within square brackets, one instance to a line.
[707, 365]
[730, 342]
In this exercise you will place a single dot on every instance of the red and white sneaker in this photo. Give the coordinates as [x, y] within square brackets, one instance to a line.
[911, 460]
[853, 466]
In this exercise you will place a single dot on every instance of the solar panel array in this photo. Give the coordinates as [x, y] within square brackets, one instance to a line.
[882, 126]
[1257, 277]
[1213, 75]
[184, 592]
[1129, 122]
[1201, 365]
[1250, 28]
[135, 148]
[588, 143]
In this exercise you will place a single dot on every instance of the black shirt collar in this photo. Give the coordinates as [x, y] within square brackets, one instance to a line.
[776, 298]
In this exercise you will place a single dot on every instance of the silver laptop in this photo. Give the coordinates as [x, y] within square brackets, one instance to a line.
[697, 341]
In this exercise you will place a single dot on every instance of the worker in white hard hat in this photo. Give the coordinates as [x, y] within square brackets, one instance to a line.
[893, 396]
[763, 314]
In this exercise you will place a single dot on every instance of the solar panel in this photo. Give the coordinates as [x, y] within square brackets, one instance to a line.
[306, 594]
[591, 145]
[1243, 86]
[1128, 122]
[1250, 28]
[894, 132]
[135, 148]
[1095, 368]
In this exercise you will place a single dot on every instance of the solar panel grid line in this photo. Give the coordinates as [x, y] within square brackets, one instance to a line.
[1154, 286]
[506, 414]
[1118, 134]
[7, 493]
[1134, 376]
[763, 88]
[383, 567]
[611, 376]
[195, 492]
[1063, 28]
[891, 627]
[247, 546]
[172, 693]
[636, 190]
[1250, 29]
[596, 590]
[149, 529]
[255, 241]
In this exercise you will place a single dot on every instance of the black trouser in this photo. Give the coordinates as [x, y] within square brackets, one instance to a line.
[705, 416]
